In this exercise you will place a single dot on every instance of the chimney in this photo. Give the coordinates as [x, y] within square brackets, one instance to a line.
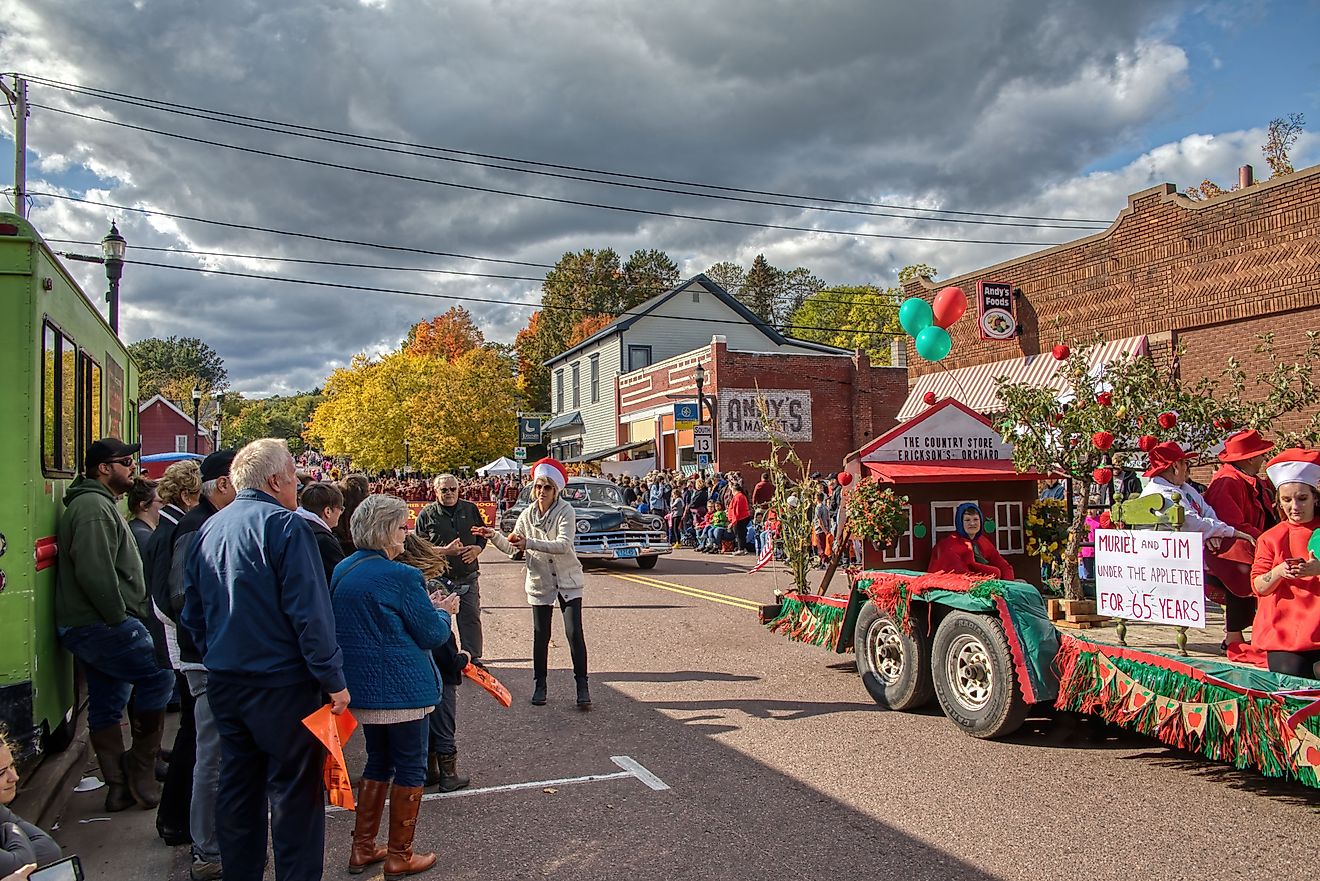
[898, 352]
[1245, 177]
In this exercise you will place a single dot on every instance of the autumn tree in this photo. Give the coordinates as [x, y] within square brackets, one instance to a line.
[172, 367]
[533, 377]
[283, 416]
[1281, 134]
[850, 317]
[448, 336]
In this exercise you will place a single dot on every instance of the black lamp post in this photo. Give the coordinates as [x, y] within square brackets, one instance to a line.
[113, 247]
[699, 376]
[219, 418]
[197, 404]
[407, 461]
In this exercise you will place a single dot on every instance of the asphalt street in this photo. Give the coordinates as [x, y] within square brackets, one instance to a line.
[719, 750]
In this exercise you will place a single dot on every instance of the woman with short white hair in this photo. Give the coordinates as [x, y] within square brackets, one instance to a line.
[387, 626]
[545, 532]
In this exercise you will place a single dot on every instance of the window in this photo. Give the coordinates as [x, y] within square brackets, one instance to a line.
[902, 549]
[181, 443]
[59, 402]
[559, 390]
[941, 518]
[1009, 538]
[90, 392]
[595, 379]
[696, 296]
[639, 357]
[577, 385]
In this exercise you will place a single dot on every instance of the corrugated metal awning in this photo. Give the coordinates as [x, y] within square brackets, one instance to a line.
[977, 386]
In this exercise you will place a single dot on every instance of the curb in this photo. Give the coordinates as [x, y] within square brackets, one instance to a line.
[47, 791]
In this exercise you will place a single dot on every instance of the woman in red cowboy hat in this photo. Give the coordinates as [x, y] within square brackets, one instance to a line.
[1243, 500]
[1286, 574]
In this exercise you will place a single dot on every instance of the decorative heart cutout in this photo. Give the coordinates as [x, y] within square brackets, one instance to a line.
[1125, 685]
[1164, 710]
[1139, 700]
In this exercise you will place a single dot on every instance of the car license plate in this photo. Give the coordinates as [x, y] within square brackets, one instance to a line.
[625, 553]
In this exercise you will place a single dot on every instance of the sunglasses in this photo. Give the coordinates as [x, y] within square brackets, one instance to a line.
[127, 462]
[541, 486]
[448, 489]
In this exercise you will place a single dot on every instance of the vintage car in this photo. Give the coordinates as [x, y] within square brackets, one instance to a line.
[607, 529]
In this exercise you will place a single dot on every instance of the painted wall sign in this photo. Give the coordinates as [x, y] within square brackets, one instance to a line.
[114, 393]
[945, 435]
[995, 318]
[1143, 575]
[740, 417]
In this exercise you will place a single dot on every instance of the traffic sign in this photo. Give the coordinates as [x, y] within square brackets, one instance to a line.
[703, 461]
[520, 453]
[685, 415]
[703, 440]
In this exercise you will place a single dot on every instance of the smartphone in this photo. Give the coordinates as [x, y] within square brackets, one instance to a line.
[67, 869]
[1294, 561]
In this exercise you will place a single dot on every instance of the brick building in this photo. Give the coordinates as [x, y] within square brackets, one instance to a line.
[165, 428]
[827, 405]
[1169, 272]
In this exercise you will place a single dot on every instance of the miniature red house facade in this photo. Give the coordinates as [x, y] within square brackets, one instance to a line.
[939, 459]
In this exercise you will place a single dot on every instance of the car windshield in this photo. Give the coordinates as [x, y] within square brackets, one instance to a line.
[580, 495]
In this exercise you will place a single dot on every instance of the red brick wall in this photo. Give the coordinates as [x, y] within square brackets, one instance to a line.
[159, 424]
[1212, 273]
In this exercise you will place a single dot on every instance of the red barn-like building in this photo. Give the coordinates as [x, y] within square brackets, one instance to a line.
[167, 429]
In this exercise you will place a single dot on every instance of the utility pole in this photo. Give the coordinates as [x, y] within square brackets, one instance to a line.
[17, 97]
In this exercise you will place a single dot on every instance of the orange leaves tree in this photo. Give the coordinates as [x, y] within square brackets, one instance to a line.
[448, 336]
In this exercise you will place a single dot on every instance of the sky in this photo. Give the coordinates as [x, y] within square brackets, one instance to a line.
[1019, 107]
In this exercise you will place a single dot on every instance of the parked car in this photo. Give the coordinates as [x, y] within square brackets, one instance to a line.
[607, 529]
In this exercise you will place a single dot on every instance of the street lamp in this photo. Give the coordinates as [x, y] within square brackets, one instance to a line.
[197, 404]
[219, 417]
[113, 247]
[215, 433]
[406, 455]
[699, 375]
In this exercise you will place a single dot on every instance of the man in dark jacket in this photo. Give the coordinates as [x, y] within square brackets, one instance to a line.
[440, 523]
[321, 505]
[258, 607]
[100, 603]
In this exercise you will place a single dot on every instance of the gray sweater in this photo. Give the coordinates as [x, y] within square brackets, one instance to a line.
[22, 843]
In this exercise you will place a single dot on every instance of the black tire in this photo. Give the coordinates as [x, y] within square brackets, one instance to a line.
[894, 666]
[648, 562]
[975, 681]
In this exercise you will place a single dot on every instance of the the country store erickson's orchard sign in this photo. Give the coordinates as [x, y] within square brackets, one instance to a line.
[789, 411]
[943, 435]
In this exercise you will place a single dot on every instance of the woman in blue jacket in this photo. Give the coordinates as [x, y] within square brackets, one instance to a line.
[387, 626]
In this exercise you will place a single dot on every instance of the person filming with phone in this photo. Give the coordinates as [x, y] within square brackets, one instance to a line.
[22, 845]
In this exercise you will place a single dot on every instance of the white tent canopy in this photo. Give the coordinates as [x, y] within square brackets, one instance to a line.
[501, 467]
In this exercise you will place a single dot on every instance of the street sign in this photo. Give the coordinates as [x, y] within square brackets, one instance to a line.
[685, 415]
[520, 453]
[703, 440]
[703, 461]
[529, 429]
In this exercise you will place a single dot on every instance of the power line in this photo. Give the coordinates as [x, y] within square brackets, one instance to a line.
[339, 166]
[295, 128]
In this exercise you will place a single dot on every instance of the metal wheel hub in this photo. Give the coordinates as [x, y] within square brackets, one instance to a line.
[970, 672]
[884, 651]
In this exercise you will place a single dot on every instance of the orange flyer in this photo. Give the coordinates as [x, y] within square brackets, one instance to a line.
[488, 682]
[333, 732]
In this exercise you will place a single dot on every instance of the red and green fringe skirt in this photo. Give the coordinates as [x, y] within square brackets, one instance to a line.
[815, 620]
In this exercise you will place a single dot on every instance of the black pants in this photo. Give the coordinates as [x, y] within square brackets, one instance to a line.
[469, 620]
[176, 795]
[577, 641]
[267, 753]
[1239, 612]
[740, 534]
[1303, 664]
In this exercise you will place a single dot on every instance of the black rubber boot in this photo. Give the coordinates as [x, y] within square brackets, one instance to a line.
[433, 773]
[450, 781]
[583, 694]
[538, 693]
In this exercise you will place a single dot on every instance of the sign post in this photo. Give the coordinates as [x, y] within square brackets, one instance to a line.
[703, 440]
[529, 429]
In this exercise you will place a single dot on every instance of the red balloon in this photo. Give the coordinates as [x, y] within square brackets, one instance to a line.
[950, 305]
[845, 478]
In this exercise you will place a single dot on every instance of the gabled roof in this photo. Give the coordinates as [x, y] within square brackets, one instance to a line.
[142, 408]
[568, 419]
[631, 317]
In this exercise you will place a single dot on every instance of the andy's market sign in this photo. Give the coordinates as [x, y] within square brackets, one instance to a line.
[789, 412]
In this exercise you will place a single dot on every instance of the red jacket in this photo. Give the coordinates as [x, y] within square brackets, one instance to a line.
[763, 492]
[1242, 502]
[738, 509]
[1287, 620]
[953, 553]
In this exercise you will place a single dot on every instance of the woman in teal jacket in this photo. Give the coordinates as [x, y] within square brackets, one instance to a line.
[387, 626]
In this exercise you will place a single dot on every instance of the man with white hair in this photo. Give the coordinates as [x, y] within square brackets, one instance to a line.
[258, 607]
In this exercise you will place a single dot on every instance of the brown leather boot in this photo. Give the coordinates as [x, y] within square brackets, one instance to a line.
[449, 780]
[405, 802]
[108, 744]
[370, 806]
[140, 760]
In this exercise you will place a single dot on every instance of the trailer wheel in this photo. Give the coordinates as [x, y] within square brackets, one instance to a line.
[894, 666]
[648, 562]
[974, 678]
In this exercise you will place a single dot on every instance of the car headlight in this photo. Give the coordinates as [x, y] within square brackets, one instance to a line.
[657, 523]
[583, 526]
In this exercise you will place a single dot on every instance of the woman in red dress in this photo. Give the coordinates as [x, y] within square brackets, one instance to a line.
[1243, 500]
[1285, 574]
[968, 550]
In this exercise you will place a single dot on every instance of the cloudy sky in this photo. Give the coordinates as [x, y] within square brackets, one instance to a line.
[1019, 107]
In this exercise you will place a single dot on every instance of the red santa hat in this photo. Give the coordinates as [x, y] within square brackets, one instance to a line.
[1295, 466]
[552, 471]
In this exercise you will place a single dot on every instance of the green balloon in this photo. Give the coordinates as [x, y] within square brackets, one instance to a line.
[989, 525]
[915, 315]
[934, 343]
[919, 530]
[1314, 544]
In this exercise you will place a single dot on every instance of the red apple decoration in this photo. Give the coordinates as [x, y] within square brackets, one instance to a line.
[1061, 352]
[1147, 442]
[1168, 420]
[1104, 399]
[845, 478]
[1224, 424]
[1103, 440]
[1103, 475]
[929, 398]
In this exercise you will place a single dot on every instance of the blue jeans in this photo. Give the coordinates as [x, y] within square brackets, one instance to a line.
[397, 751]
[117, 659]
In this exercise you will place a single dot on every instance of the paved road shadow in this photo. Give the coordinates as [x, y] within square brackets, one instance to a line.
[673, 676]
[1245, 780]
[777, 710]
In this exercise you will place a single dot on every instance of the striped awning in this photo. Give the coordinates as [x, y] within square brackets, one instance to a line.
[976, 386]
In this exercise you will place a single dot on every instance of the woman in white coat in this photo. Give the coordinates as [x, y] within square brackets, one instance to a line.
[544, 533]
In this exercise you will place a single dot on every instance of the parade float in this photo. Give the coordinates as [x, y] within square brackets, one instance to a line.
[986, 648]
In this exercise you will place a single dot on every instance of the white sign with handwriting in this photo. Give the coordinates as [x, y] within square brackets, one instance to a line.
[1146, 575]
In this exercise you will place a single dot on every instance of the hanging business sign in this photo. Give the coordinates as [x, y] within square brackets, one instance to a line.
[995, 318]
[788, 412]
[529, 430]
[685, 415]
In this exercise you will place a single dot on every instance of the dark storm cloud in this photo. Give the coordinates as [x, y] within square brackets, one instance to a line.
[974, 106]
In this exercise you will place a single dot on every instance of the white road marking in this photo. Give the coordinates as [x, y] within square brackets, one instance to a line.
[631, 768]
